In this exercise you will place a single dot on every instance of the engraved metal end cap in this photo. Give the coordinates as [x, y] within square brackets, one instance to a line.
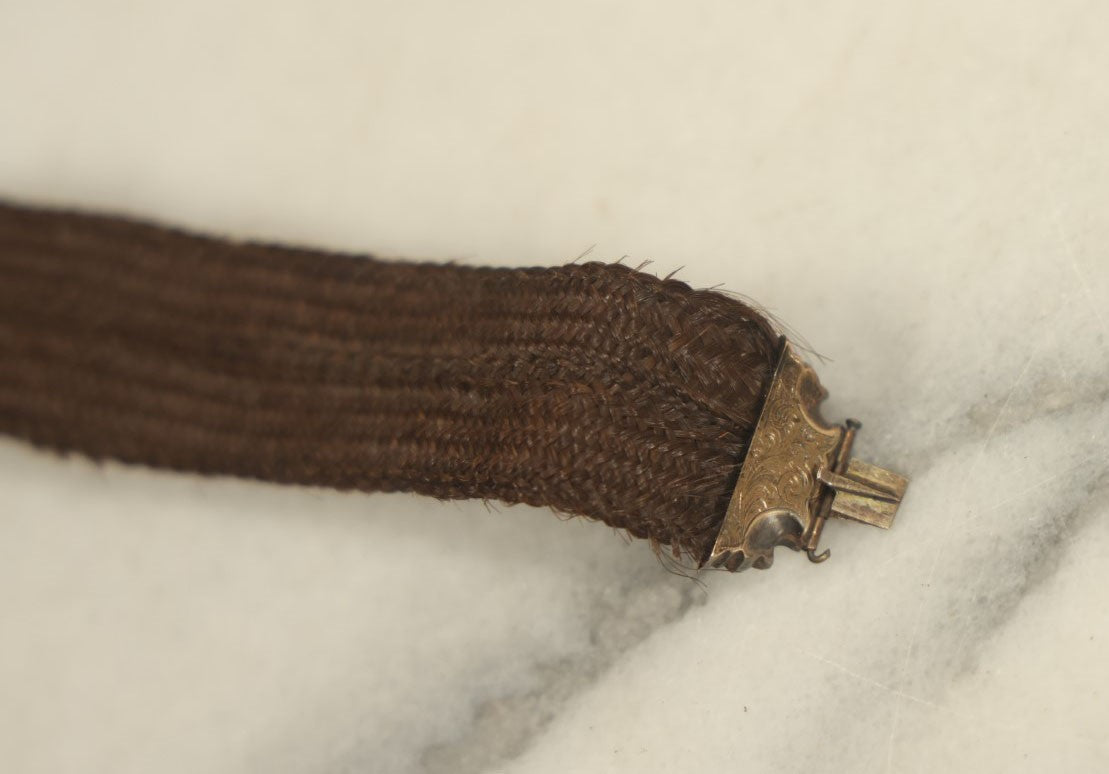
[797, 473]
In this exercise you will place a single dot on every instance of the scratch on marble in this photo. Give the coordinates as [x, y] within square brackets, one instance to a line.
[871, 681]
[898, 693]
[1006, 598]
[1001, 412]
[980, 527]
[1055, 209]
[971, 471]
[980, 721]
[1072, 259]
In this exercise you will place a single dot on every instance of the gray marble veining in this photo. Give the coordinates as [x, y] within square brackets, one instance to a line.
[917, 189]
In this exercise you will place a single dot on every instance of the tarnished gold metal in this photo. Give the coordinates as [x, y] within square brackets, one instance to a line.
[798, 471]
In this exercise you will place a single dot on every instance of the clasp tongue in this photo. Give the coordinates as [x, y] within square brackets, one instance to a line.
[866, 493]
[855, 490]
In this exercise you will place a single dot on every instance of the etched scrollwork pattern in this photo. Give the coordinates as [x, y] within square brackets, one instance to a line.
[778, 481]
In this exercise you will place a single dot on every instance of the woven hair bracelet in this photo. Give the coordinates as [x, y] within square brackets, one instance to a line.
[678, 415]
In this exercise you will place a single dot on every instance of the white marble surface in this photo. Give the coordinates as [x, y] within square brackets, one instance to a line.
[920, 189]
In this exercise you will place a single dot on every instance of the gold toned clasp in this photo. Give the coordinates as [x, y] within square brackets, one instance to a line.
[797, 473]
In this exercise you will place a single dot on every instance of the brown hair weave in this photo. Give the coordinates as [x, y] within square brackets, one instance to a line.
[591, 388]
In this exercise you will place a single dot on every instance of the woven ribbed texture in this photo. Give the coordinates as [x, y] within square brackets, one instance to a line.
[590, 388]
